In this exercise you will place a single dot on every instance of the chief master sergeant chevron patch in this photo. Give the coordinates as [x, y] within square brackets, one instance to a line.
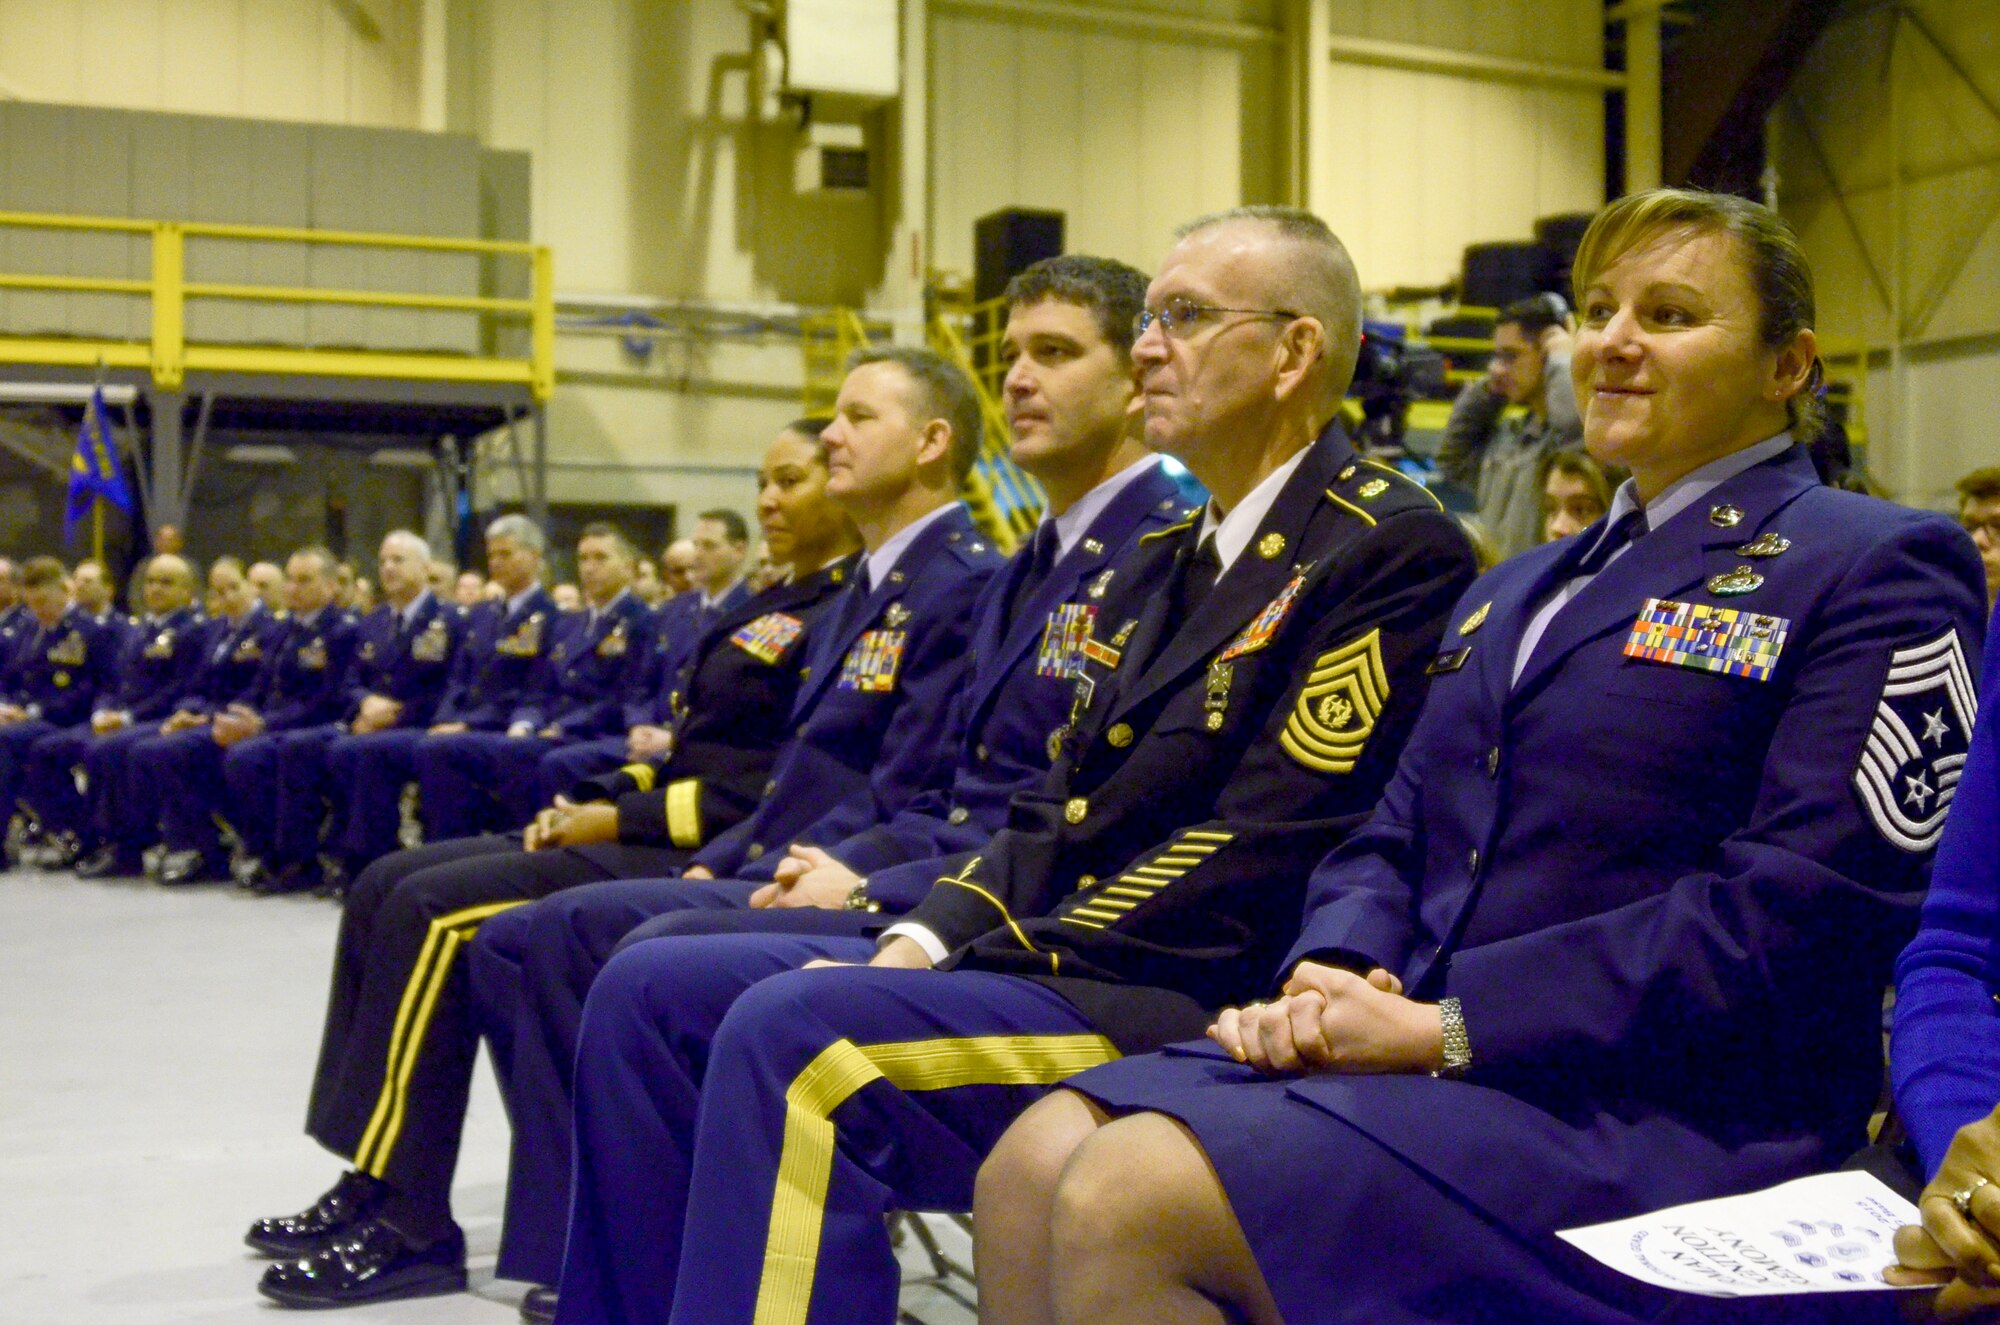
[1916, 748]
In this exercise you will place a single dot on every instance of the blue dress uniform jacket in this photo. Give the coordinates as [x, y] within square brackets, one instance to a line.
[303, 682]
[579, 686]
[410, 664]
[1665, 872]
[159, 666]
[873, 709]
[232, 655]
[679, 625]
[1157, 874]
[1011, 713]
[58, 673]
[497, 662]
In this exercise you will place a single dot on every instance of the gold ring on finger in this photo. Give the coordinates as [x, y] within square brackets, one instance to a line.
[1963, 1200]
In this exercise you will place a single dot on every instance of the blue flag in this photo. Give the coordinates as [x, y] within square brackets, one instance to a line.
[93, 469]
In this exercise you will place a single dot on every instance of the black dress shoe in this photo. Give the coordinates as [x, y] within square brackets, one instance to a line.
[342, 1205]
[179, 867]
[370, 1262]
[539, 1306]
[107, 863]
[298, 877]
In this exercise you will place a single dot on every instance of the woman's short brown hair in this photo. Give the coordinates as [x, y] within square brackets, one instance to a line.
[1777, 266]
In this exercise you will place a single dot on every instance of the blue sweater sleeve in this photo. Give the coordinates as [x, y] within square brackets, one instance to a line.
[1945, 1044]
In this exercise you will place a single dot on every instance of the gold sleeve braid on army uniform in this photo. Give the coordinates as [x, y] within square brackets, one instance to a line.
[1211, 762]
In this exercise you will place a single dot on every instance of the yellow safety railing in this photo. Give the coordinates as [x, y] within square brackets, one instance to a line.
[169, 355]
[826, 339]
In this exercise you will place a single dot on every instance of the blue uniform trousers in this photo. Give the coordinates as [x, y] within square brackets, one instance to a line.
[124, 807]
[17, 739]
[250, 774]
[186, 768]
[301, 794]
[50, 786]
[478, 782]
[370, 772]
[530, 969]
[868, 1090]
[566, 765]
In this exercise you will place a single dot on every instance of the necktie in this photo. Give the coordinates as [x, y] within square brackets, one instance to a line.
[1203, 569]
[1628, 528]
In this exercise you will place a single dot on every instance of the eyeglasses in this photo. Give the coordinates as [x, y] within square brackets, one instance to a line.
[1179, 317]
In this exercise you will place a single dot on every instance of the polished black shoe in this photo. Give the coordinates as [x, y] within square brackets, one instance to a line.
[178, 867]
[539, 1306]
[343, 1205]
[107, 863]
[298, 877]
[59, 851]
[370, 1262]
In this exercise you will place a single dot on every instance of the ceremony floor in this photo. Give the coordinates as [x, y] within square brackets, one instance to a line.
[155, 1048]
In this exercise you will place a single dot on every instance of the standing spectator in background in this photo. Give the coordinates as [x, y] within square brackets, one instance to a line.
[269, 581]
[1979, 512]
[167, 541]
[677, 567]
[1575, 494]
[1501, 458]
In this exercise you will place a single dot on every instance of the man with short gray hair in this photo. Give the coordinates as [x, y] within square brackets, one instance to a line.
[501, 647]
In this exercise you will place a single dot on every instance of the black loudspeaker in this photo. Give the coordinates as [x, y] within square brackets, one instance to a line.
[1006, 243]
[1495, 275]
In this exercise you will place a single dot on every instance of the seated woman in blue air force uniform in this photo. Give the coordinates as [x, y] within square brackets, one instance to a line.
[1616, 936]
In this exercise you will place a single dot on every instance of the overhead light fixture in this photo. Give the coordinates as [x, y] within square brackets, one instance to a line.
[63, 393]
[253, 453]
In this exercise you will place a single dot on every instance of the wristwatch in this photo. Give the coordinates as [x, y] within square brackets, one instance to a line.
[859, 900]
[1457, 1048]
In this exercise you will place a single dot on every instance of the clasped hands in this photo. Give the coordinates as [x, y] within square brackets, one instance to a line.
[807, 876]
[237, 723]
[1330, 1020]
[567, 824]
[1958, 1248]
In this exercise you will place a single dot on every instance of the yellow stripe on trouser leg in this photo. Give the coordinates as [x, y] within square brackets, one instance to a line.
[805, 1165]
[413, 1017]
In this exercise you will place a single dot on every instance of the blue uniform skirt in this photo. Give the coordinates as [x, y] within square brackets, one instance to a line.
[1347, 1231]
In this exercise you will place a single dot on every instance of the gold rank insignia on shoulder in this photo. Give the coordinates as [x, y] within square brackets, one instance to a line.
[767, 638]
[1338, 706]
[614, 644]
[895, 615]
[1734, 584]
[1476, 620]
[1767, 545]
[1709, 639]
[1271, 546]
[1372, 489]
[1725, 516]
[432, 644]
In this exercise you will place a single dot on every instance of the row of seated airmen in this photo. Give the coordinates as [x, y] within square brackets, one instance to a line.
[1242, 907]
[145, 742]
